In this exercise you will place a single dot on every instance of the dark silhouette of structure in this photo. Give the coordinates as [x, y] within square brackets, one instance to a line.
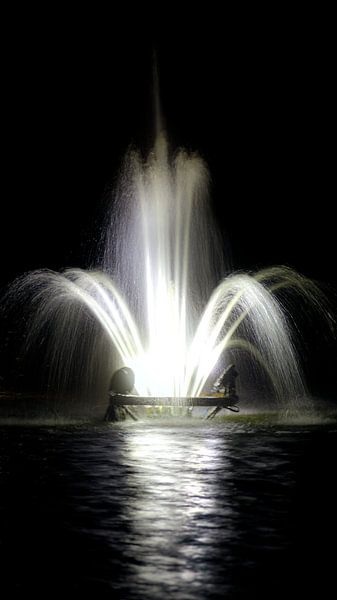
[122, 381]
[121, 398]
[226, 384]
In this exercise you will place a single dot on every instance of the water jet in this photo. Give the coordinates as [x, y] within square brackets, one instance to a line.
[159, 301]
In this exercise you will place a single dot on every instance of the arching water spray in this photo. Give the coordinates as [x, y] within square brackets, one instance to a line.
[156, 301]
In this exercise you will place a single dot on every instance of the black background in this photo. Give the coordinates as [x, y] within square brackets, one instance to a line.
[253, 93]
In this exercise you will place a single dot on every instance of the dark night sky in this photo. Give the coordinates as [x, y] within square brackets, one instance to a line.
[257, 104]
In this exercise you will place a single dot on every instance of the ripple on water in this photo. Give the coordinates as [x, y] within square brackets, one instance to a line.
[190, 509]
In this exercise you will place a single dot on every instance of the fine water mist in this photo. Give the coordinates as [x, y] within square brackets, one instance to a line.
[159, 302]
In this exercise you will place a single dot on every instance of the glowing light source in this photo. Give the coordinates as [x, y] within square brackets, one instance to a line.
[158, 297]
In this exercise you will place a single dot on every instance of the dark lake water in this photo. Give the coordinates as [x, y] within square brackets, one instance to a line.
[169, 509]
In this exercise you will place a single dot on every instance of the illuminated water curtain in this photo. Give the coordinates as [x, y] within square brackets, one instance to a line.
[158, 296]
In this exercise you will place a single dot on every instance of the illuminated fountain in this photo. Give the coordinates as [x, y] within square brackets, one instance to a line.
[160, 303]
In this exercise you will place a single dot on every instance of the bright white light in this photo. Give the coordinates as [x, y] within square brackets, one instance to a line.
[168, 363]
[167, 319]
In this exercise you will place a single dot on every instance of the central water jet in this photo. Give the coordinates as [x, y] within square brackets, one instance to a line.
[159, 303]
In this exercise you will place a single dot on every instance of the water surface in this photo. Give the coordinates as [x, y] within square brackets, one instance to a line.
[185, 509]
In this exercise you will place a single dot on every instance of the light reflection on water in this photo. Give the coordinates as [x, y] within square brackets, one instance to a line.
[177, 511]
[182, 509]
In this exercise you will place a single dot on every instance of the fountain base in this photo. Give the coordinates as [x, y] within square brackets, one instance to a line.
[125, 401]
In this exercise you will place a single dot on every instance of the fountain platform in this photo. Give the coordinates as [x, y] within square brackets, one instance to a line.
[129, 400]
[124, 401]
